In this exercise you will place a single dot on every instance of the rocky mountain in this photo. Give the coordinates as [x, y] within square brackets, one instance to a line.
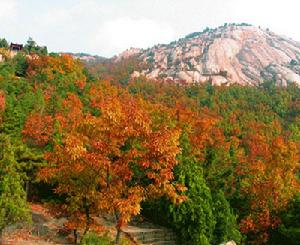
[87, 57]
[234, 53]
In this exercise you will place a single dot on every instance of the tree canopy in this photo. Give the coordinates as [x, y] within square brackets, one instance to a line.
[216, 162]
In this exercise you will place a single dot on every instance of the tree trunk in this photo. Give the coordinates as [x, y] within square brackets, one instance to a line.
[27, 190]
[87, 217]
[118, 236]
[107, 179]
[1, 237]
[75, 236]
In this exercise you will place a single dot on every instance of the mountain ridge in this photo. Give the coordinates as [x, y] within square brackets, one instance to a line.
[232, 53]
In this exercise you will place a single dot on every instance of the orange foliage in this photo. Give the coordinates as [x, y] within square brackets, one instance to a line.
[38, 129]
[2, 100]
[103, 160]
[268, 179]
[201, 127]
[48, 68]
[70, 114]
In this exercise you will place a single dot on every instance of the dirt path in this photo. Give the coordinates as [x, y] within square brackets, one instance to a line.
[43, 231]
[49, 230]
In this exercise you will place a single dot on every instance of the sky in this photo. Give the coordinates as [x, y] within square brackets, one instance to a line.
[108, 27]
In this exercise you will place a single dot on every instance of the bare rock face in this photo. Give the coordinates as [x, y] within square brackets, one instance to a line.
[128, 53]
[229, 54]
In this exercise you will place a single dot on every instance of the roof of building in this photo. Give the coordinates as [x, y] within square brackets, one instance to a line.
[15, 46]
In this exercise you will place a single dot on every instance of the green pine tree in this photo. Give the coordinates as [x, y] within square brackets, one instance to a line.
[194, 219]
[13, 205]
[226, 227]
[3, 43]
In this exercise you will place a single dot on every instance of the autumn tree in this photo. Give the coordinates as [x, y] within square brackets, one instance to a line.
[114, 161]
[269, 180]
[54, 69]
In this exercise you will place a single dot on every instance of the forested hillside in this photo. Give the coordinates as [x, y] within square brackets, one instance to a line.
[214, 163]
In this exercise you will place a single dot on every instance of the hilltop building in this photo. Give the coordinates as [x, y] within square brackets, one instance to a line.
[15, 48]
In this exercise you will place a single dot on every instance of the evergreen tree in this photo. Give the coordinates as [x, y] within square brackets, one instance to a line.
[205, 217]
[29, 160]
[3, 43]
[289, 230]
[20, 64]
[226, 227]
[30, 45]
[13, 205]
[194, 218]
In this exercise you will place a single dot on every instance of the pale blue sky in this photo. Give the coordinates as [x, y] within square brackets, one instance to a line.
[108, 27]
